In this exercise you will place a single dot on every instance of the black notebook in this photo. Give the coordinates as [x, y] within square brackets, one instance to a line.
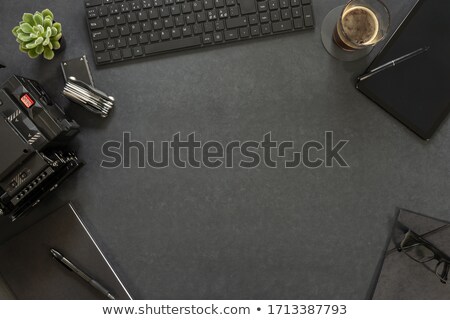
[402, 277]
[415, 91]
[28, 271]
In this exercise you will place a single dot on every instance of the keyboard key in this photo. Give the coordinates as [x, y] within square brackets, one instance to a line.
[284, 4]
[99, 46]
[187, 31]
[244, 32]
[218, 37]
[102, 57]
[164, 12]
[135, 28]
[131, 17]
[168, 22]
[92, 3]
[92, 13]
[175, 10]
[176, 33]
[247, 6]
[306, 1]
[236, 22]
[285, 14]
[254, 30]
[234, 11]
[262, 6]
[265, 28]
[126, 53]
[143, 38]
[219, 3]
[157, 3]
[137, 52]
[116, 55]
[197, 6]
[154, 37]
[281, 26]
[165, 35]
[100, 35]
[295, 3]
[186, 7]
[146, 26]
[173, 45]
[264, 17]
[208, 4]
[113, 32]
[220, 25]
[207, 38]
[275, 15]
[153, 13]
[132, 41]
[121, 43]
[296, 12]
[109, 22]
[298, 23]
[230, 2]
[273, 4]
[231, 34]
[198, 29]
[201, 17]
[124, 30]
[96, 24]
[253, 19]
[120, 20]
[179, 21]
[209, 27]
[142, 16]
[157, 25]
[307, 14]
[103, 11]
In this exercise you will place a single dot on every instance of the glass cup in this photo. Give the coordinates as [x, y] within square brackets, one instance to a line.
[362, 24]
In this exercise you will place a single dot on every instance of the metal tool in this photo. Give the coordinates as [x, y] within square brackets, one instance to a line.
[87, 96]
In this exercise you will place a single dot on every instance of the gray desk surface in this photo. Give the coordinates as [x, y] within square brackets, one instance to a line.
[236, 233]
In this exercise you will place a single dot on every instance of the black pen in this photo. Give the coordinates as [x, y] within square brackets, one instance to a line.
[393, 63]
[2, 66]
[60, 258]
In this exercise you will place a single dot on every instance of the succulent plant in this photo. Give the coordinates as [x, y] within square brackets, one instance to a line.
[37, 34]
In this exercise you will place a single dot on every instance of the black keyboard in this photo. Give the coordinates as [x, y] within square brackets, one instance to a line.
[122, 30]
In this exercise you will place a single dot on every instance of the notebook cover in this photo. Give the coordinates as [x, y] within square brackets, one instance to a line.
[415, 91]
[31, 273]
[403, 278]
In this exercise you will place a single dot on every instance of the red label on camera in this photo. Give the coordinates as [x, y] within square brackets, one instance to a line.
[27, 100]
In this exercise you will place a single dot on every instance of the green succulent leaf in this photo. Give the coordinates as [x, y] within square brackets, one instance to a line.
[24, 37]
[38, 18]
[46, 42]
[54, 31]
[56, 45]
[48, 53]
[41, 29]
[48, 32]
[33, 54]
[34, 35]
[47, 14]
[23, 48]
[26, 27]
[39, 49]
[58, 27]
[14, 30]
[28, 18]
[39, 41]
[57, 37]
[47, 23]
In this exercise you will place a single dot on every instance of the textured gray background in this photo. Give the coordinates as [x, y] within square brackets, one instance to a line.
[235, 233]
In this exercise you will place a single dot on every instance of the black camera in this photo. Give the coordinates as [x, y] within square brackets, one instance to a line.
[33, 133]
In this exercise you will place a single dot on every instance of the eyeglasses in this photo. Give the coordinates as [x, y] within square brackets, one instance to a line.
[424, 252]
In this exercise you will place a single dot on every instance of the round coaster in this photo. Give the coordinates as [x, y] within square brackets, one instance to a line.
[328, 26]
